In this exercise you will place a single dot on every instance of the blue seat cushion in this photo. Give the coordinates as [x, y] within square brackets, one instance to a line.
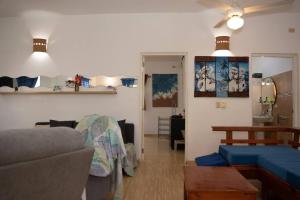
[284, 165]
[293, 176]
[241, 155]
[238, 155]
[213, 159]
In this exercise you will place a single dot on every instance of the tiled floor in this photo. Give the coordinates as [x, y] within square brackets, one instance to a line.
[159, 176]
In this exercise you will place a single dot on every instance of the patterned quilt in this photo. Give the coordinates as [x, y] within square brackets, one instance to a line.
[104, 134]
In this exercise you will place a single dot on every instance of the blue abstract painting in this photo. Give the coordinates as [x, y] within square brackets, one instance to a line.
[164, 90]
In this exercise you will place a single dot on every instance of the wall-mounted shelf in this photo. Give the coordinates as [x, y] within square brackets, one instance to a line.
[62, 92]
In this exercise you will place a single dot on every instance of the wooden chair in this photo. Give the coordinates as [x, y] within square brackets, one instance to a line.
[176, 142]
[163, 125]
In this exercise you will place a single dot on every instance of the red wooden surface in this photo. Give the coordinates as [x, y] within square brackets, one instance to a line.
[216, 183]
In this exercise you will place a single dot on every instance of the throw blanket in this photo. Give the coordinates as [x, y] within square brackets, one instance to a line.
[130, 161]
[104, 134]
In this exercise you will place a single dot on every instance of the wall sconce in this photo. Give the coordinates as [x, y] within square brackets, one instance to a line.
[222, 43]
[39, 45]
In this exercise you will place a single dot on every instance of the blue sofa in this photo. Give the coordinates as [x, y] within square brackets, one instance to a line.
[282, 161]
[277, 166]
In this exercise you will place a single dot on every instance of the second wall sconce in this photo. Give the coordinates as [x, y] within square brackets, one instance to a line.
[39, 45]
[222, 43]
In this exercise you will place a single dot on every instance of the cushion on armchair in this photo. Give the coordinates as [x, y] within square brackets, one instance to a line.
[213, 159]
[31, 144]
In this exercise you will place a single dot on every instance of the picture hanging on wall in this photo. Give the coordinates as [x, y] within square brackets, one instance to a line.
[164, 90]
[221, 76]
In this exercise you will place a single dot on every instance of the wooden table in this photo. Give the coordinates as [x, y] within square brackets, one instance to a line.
[216, 183]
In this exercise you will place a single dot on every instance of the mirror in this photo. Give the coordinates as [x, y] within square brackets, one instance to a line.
[268, 91]
[271, 82]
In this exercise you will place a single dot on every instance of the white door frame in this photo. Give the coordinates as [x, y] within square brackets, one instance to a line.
[296, 76]
[142, 91]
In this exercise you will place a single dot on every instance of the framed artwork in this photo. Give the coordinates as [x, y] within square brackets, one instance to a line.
[221, 76]
[164, 90]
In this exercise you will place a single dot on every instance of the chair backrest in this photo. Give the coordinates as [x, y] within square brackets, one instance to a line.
[43, 164]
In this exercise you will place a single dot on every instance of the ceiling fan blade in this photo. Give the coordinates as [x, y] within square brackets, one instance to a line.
[221, 23]
[217, 4]
[267, 6]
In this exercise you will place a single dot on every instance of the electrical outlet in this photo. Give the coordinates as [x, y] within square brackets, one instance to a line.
[292, 30]
[220, 105]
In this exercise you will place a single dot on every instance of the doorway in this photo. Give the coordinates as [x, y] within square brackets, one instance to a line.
[275, 91]
[160, 167]
[161, 101]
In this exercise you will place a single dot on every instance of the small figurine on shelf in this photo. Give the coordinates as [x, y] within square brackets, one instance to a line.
[77, 82]
[70, 83]
[57, 88]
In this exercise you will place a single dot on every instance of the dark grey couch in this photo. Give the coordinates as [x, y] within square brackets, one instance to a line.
[43, 164]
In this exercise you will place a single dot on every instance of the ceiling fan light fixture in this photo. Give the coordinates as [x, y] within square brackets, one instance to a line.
[235, 22]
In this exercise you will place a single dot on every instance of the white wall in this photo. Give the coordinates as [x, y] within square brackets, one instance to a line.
[110, 44]
[270, 66]
[161, 65]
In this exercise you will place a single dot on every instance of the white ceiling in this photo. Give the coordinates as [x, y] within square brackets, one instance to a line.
[9, 8]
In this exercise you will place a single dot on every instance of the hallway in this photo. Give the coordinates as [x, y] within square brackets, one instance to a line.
[159, 176]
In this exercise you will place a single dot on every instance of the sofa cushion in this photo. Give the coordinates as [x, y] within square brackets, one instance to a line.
[236, 155]
[293, 175]
[121, 124]
[213, 159]
[285, 165]
[30, 144]
[70, 124]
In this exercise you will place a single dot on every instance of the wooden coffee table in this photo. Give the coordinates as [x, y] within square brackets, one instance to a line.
[216, 183]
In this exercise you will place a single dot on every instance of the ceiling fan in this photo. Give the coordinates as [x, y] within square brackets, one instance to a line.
[235, 12]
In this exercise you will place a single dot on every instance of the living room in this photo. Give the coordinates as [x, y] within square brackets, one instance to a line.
[109, 38]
